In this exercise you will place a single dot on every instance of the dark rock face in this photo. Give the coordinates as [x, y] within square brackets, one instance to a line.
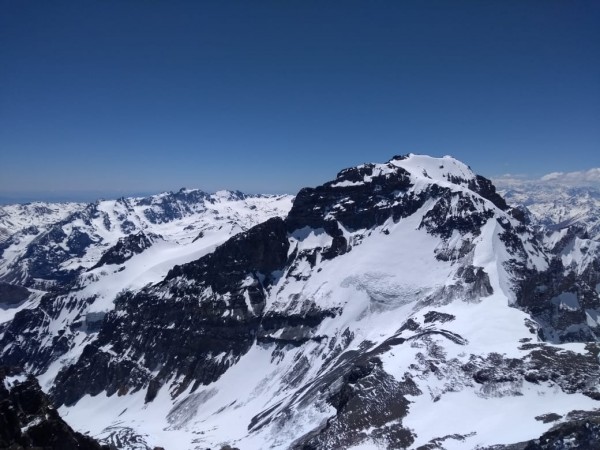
[581, 432]
[561, 300]
[78, 242]
[435, 316]
[12, 295]
[93, 321]
[477, 280]
[261, 250]
[354, 203]
[219, 313]
[442, 221]
[573, 231]
[125, 249]
[28, 420]
[295, 329]
[487, 190]
[367, 397]
[572, 372]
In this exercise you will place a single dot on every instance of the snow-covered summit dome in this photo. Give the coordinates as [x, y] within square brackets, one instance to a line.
[442, 169]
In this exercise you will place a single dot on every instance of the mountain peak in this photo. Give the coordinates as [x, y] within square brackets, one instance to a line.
[366, 195]
[436, 169]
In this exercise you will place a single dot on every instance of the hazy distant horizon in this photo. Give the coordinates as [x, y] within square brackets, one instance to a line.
[63, 197]
[584, 178]
[92, 196]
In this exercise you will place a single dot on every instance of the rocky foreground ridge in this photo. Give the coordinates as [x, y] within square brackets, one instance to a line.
[29, 421]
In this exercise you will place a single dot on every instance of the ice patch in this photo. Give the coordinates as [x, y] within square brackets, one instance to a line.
[308, 238]
[367, 445]
[11, 381]
[347, 183]
[383, 290]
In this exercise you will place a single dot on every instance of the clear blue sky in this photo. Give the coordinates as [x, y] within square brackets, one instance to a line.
[111, 97]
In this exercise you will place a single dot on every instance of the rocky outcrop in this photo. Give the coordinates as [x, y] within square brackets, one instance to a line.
[353, 202]
[25, 340]
[487, 190]
[565, 304]
[365, 396]
[124, 249]
[577, 430]
[582, 431]
[456, 211]
[29, 421]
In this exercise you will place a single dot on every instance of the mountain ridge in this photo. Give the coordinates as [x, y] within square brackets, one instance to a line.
[384, 300]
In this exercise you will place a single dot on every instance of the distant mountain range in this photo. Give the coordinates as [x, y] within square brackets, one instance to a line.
[404, 304]
[557, 206]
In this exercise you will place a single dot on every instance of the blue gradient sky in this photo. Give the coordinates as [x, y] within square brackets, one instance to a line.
[121, 97]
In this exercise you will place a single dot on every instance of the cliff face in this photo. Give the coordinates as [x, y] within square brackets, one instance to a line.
[28, 420]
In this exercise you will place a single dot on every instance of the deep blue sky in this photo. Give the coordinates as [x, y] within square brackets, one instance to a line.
[111, 97]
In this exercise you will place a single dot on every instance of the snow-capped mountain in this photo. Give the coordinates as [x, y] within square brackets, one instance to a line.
[556, 206]
[567, 219]
[58, 279]
[53, 244]
[20, 224]
[400, 305]
[36, 215]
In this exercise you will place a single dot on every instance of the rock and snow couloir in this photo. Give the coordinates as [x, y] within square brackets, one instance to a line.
[400, 305]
